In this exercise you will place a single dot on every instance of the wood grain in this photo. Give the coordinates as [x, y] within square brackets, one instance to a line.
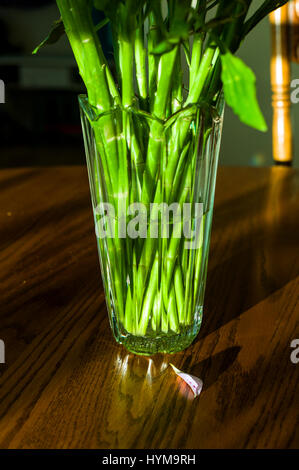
[67, 384]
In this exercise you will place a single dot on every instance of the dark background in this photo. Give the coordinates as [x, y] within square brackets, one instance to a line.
[40, 122]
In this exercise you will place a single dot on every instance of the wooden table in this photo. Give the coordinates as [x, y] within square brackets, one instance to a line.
[67, 383]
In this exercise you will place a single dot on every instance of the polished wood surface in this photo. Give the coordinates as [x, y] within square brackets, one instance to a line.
[280, 82]
[67, 383]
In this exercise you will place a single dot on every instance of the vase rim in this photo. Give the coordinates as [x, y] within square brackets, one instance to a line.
[215, 112]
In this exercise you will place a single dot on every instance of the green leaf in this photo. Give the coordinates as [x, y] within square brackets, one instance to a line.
[240, 91]
[54, 35]
[162, 48]
[101, 24]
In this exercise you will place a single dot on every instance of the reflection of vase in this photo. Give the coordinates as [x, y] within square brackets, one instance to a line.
[152, 186]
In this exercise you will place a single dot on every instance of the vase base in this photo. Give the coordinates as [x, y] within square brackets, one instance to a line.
[167, 344]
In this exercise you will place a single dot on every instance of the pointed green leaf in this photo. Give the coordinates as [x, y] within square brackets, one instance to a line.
[240, 91]
[54, 35]
[101, 24]
[162, 47]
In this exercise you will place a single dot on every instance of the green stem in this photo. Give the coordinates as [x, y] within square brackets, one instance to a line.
[87, 49]
[126, 57]
[165, 72]
[140, 63]
[172, 311]
[202, 74]
[149, 297]
[179, 292]
[153, 60]
[196, 57]
[177, 86]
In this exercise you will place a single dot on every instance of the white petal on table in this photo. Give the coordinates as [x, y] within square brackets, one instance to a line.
[194, 383]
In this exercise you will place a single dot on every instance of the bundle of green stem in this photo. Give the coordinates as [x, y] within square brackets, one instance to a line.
[171, 58]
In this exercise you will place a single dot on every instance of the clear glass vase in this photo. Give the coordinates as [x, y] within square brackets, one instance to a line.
[152, 187]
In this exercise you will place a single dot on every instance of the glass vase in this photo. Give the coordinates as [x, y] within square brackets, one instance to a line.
[152, 186]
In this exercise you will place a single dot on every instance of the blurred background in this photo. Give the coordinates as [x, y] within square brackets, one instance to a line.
[40, 113]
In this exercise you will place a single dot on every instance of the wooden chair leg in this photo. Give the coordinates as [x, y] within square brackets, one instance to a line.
[294, 20]
[280, 83]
